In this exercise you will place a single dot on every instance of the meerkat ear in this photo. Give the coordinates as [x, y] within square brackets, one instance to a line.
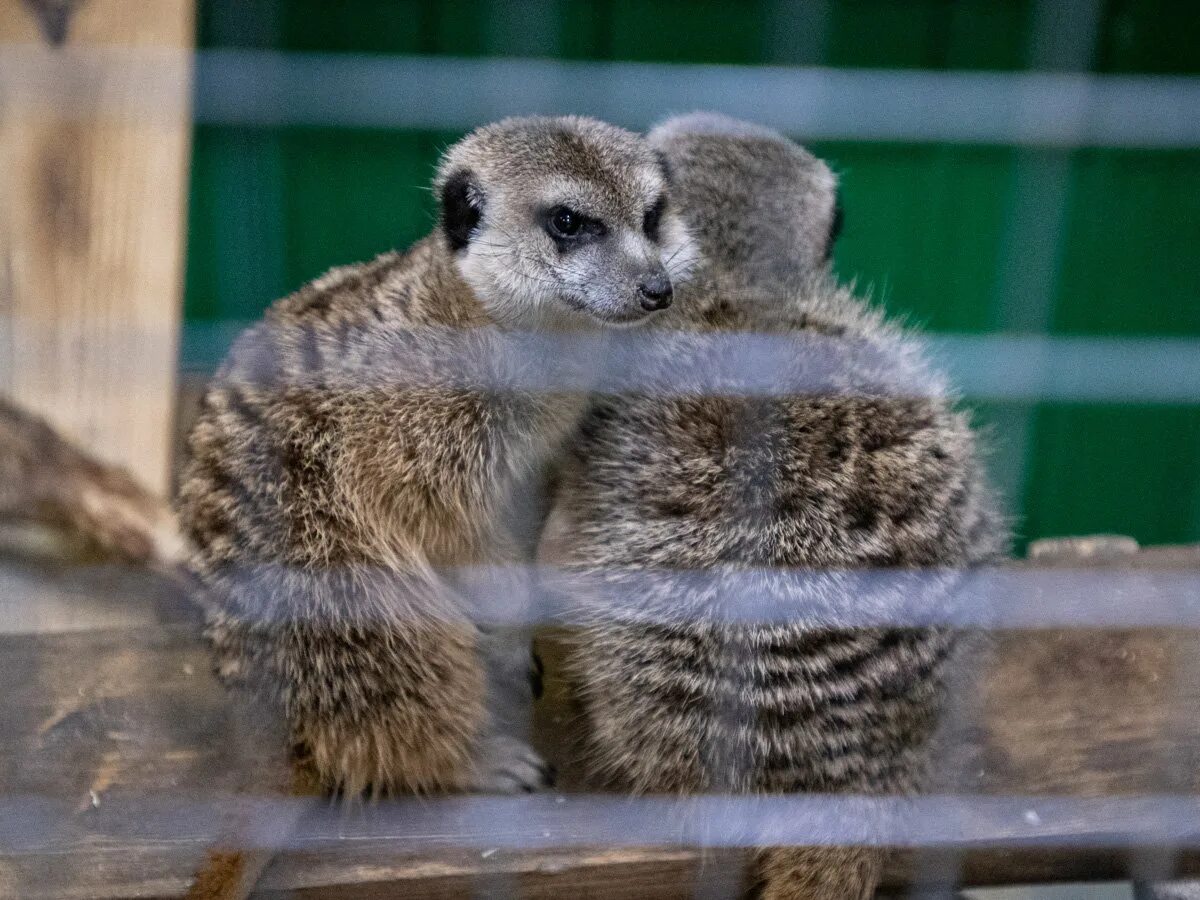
[665, 165]
[462, 207]
[835, 226]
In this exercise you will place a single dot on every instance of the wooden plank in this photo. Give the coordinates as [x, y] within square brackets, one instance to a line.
[93, 176]
[122, 761]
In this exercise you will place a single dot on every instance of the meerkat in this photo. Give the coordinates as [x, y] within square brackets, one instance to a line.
[676, 511]
[360, 444]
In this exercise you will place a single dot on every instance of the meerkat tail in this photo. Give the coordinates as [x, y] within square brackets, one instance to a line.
[45, 478]
[818, 873]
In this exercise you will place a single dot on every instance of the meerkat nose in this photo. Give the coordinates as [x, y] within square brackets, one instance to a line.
[656, 291]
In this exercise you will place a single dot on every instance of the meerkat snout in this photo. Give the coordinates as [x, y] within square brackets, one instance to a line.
[560, 219]
[656, 290]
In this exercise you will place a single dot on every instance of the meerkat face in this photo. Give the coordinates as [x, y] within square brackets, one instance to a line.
[558, 219]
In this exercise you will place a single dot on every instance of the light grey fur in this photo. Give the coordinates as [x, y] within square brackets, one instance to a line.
[766, 206]
[872, 468]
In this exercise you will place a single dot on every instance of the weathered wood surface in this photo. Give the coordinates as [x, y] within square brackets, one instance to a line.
[122, 762]
[93, 180]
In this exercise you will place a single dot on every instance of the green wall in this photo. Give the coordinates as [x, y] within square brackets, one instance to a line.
[967, 239]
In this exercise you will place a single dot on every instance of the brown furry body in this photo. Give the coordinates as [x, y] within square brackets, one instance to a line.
[321, 496]
[867, 467]
[362, 443]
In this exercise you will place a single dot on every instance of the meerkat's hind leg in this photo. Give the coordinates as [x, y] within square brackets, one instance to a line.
[504, 604]
[506, 761]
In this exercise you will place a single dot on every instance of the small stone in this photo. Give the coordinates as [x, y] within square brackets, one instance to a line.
[1088, 547]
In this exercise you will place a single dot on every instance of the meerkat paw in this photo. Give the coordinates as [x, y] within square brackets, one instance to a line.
[508, 765]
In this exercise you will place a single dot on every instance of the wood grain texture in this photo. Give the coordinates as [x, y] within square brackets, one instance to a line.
[93, 180]
[122, 761]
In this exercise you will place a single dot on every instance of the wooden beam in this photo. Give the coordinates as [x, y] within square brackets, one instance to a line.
[122, 760]
[93, 182]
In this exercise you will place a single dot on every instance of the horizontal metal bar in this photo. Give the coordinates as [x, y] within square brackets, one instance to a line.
[259, 88]
[1008, 368]
[996, 367]
[985, 598]
[816, 103]
[42, 825]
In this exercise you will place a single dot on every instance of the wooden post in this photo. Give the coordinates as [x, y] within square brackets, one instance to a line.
[95, 129]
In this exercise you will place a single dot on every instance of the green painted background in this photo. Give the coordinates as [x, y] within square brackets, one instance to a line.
[959, 238]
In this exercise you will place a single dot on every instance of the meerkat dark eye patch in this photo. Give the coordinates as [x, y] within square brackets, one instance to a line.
[568, 227]
[462, 208]
[653, 218]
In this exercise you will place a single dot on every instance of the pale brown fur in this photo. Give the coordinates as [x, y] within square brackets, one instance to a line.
[365, 441]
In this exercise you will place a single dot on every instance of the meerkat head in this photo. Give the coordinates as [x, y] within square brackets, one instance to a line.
[561, 218]
[763, 210]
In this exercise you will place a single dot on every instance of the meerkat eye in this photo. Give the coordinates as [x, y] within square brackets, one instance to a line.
[653, 217]
[564, 222]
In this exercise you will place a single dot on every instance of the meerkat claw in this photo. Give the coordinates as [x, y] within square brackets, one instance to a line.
[508, 765]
